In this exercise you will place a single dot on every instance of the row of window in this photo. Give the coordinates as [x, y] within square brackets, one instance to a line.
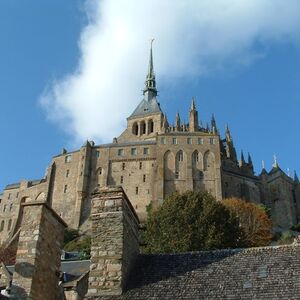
[3, 224]
[122, 179]
[189, 141]
[10, 195]
[5, 207]
[133, 151]
[143, 127]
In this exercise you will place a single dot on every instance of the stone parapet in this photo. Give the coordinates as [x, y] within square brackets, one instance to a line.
[115, 243]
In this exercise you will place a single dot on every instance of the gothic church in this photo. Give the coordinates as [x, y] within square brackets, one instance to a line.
[150, 160]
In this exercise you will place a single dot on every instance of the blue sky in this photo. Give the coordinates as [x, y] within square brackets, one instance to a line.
[47, 54]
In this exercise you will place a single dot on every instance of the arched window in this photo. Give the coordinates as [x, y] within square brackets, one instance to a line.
[195, 157]
[2, 226]
[208, 160]
[179, 156]
[135, 128]
[150, 126]
[143, 127]
[9, 225]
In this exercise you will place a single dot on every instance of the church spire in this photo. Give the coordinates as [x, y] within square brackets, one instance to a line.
[150, 83]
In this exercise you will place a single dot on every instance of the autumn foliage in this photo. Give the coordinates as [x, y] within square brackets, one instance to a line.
[254, 222]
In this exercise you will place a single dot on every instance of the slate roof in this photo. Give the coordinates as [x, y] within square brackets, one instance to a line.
[146, 107]
[73, 269]
[255, 273]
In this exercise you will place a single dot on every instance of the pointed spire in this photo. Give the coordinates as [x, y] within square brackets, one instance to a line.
[207, 127]
[227, 133]
[249, 159]
[193, 105]
[213, 124]
[296, 179]
[263, 165]
[177, 122]
[165, 122]
[242, 160]
[150, 84]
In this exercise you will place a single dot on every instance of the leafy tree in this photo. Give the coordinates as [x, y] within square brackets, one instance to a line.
[254, 221]
[190, 222]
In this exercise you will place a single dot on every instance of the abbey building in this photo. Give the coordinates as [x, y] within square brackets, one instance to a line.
[150, 160]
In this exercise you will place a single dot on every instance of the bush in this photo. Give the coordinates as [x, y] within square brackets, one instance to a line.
[190, 222]
[285, 238]
[81, 244]
[70, 235]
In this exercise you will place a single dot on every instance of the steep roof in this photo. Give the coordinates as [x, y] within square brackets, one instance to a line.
[146, 107]
[255, 273]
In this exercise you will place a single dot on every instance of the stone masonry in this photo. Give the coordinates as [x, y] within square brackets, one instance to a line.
[37, 265]
[151, 159]
[115, 243]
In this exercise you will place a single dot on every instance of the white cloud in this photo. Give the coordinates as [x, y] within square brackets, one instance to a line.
[193, 37]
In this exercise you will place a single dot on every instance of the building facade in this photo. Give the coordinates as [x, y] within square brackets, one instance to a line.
[150, 160]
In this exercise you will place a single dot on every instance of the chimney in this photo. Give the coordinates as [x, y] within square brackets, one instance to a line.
[115, 242]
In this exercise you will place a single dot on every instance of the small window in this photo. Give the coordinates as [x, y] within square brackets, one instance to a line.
[120, 152]
[10, 207]
[17, 195]
[9, 196]
[200, 141]
[163, 141]
[136, 190]
[212, 141]
[146, 151]
[67, 173]
[100, 171]
[9, 225]
[176, 175]
[97, 154]
[133, 151]
[174, 141]
[68, 158]
[4, 208]
[121, 179]
[123, 166]
[140, 165]
[65, 188]
[144, 178]
[189, 141]
[2, 226]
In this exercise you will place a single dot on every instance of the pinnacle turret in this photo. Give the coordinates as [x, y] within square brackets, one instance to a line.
[242, 160]
[213, 124]
[193, 118]
[177, 122]
[296, 179]
[250, 160]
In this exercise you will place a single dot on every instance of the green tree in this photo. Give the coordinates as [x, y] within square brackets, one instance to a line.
[190, 222]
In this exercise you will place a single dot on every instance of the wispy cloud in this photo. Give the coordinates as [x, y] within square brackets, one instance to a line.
[194, 37]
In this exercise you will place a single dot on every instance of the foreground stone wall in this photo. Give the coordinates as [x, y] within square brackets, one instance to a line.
[115, 244]
[38, 256]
